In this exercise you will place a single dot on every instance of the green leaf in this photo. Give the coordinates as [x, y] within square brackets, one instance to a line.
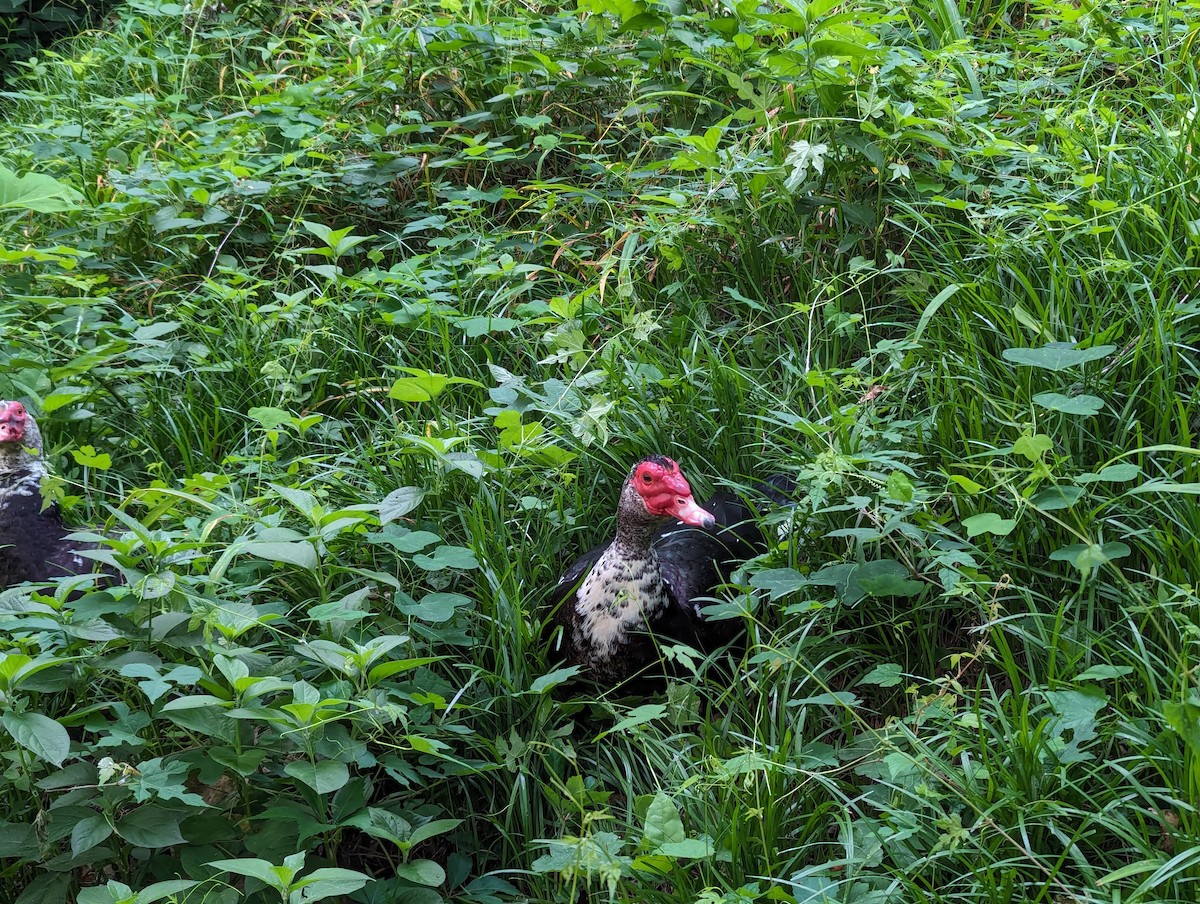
[433, 607]
[151, 826]
[88, 457]
[302, 555]
[663, 824]
[36, 192]
[553, 679]
[1079, 406]
[1118, 473]
[271, 418]
[1086, 556]
[688, 849]
[885, 577]
[323, 776]
[886, 674]
[422, 872]
[639, 715]
[899, 488]
[778, 581]
[1104, 672]
[38, 734]
[1057, 356]
[399, 503]
[988, 523]
[447, 557]
[1033, 446]
[89, 832]
[262, 870]
[432, 829]
[1159, 485]
[418, 389]
[1053, 499]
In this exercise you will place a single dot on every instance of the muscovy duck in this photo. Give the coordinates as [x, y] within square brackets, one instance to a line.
[33, 540]
[652, 579]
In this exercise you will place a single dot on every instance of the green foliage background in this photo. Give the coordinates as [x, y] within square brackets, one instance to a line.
[347, 322]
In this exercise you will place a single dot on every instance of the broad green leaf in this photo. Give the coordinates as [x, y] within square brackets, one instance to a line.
[885, 577]
[1057, 356]
[422, 872]
[38, 734]
[1080, 405]
[1053, 499]
[778, 581]
[432, 829]
[323, 776]
[302, 555]
[1118, 473]
[988, 523]
[1033, 446]
[271, 418]
[1159, 485]
[447, 557]
[688, 849]
[1086, 556]
[553, 679]
[327, 882]
[88, 457]
[89, 832]
[263, 870]
[1103, 672]
[399, 503]
[36, 192]
[433, 607]
[151, 826]
[886, 674]
[663, 824]
[418, 389]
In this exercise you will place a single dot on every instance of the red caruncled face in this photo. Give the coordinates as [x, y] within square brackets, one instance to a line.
[665, 492]
[12, 422]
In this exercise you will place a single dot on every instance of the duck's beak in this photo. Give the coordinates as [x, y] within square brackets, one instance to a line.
[687, 511]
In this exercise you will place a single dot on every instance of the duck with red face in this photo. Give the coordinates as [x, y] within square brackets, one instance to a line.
[651, 580]
[33, 540]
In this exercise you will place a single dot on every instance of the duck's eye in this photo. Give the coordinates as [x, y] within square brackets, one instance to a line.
[646, 478]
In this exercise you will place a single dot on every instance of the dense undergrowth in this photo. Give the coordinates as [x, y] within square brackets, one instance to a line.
[348, 321]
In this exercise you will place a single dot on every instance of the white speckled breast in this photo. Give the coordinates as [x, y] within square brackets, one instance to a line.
[618, 596]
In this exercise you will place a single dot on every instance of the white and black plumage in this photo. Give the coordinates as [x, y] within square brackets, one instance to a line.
[33, 540]
[652, 579]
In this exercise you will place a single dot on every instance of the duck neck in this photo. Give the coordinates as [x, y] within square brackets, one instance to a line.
[634, 539]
